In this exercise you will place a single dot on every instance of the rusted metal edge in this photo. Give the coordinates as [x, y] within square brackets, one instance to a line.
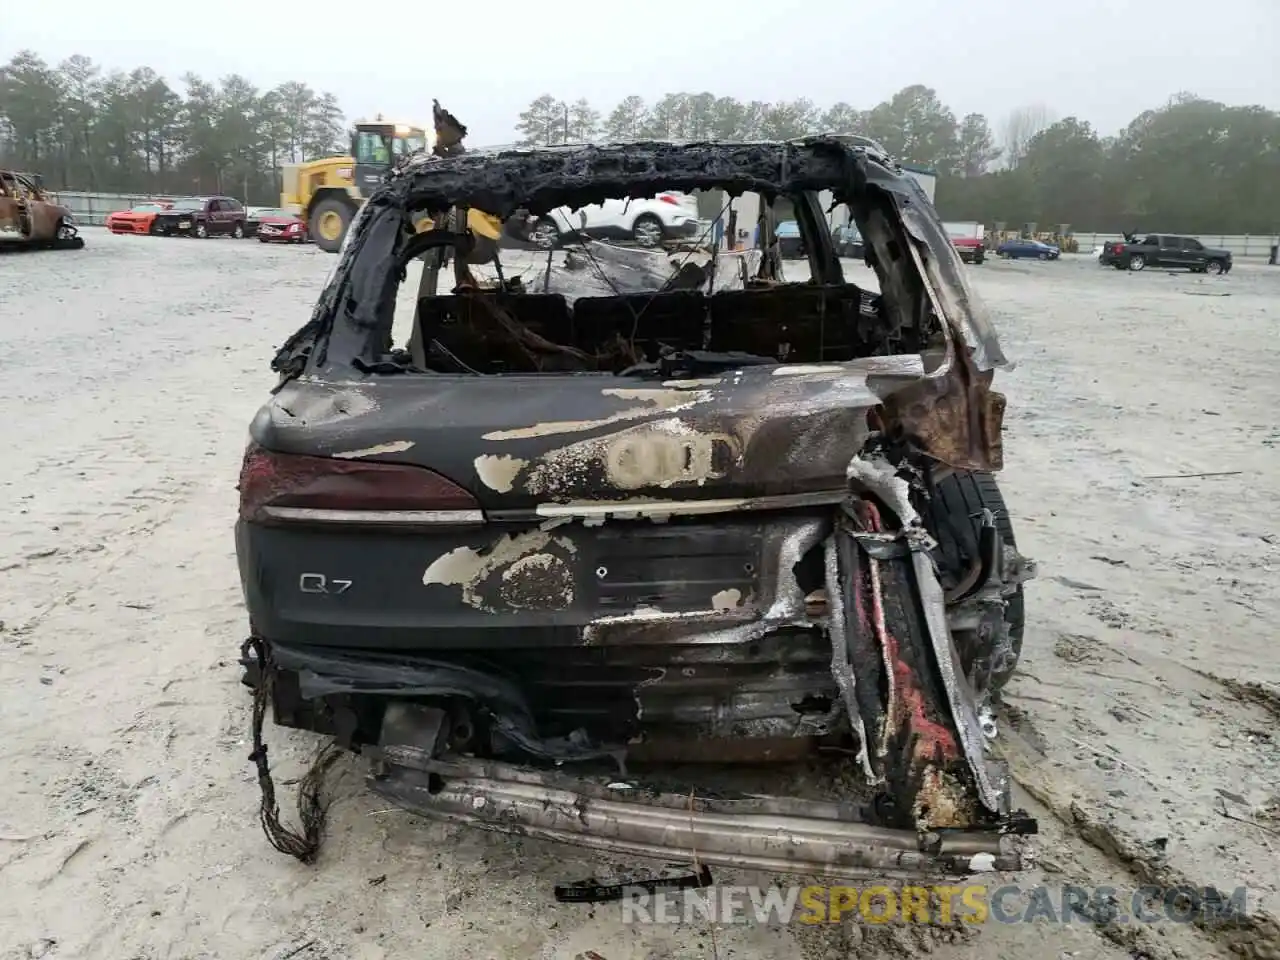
[841, 668]
[878, 476]
[777, 843]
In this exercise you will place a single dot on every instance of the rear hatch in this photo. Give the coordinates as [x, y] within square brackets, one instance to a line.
[507, 509]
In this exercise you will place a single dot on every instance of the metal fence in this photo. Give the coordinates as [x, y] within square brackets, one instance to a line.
[92, 208]
[1240, 244]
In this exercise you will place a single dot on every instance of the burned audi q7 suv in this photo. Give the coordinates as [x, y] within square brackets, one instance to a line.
[661, 555]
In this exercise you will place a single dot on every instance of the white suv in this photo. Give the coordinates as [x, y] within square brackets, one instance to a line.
[668, 216]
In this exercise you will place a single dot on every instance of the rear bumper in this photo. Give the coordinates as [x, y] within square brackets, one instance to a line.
[772, 834]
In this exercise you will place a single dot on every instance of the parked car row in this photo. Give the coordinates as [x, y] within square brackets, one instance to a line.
[204, 217]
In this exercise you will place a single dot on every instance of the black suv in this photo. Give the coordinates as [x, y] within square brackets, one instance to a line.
[202, 217]
[1165, 250]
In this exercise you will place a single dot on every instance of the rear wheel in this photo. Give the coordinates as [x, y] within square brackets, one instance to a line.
[1137, 262]
[545, 235]
[328, 224]
[647, 230]
[954, 518]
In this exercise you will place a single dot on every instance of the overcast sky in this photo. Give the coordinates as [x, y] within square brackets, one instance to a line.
[1101, 60]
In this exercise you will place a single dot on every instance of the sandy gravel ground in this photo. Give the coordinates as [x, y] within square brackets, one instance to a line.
[1145, 726]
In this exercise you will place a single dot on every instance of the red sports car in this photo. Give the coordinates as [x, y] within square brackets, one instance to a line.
[280, 226]
[137, 219]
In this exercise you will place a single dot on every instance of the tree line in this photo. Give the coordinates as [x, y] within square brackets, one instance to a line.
[1191, 165]
[131, 132]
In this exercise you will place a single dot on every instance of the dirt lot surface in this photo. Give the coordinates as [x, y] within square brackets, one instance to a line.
[1145, 727]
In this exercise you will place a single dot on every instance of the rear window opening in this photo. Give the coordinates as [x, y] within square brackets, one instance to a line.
[599, 307]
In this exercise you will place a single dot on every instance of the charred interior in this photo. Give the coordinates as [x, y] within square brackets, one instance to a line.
[492, 332]
[566, 587]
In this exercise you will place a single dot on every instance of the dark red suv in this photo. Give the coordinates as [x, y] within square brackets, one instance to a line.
[203, 217]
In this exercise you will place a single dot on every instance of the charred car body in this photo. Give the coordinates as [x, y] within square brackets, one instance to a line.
[30, 219]
[561, 562]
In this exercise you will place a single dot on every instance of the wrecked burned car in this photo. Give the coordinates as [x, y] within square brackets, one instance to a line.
[30, 219]
[592, 547]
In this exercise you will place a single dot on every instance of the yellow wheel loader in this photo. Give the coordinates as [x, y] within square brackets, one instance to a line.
[326, 193]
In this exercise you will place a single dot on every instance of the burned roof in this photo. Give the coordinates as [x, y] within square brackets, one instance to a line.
[541, 179]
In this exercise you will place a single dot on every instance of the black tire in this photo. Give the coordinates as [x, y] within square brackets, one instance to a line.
[954, 518]
[644, 228]
[1044, 256]
[1137, 262]
[545, 234]
[200, 229]
[1215, 268]
[324, 208]
[238, 230]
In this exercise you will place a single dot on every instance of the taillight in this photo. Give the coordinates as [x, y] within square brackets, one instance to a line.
[667, 198]
[1118, 248]
[278, 487]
